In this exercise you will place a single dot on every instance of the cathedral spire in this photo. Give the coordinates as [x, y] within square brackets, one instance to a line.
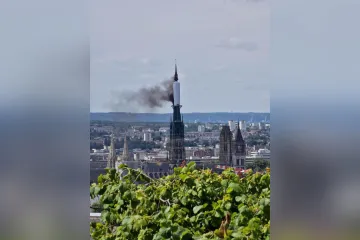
[238, 136]
[125, 154]
[112, 152]
[176, 74]
[126, 149]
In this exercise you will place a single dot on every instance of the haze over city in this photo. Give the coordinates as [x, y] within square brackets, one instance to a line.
[221, 49]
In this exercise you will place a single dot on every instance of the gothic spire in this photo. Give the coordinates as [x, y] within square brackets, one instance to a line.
[125, 155]
[112, 152]
[176, 74]
[238, 136]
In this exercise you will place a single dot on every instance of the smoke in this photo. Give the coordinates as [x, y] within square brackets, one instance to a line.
[146, 98]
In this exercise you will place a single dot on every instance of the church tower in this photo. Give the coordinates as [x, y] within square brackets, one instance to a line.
[125, 154]
[239, 149]
[112, 154]
[176, 145]
[225, 154]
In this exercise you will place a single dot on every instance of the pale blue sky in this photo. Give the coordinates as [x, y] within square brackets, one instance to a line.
[221, 47]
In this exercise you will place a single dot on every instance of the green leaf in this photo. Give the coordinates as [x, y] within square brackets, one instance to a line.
[237, 235]
[197, 209]
[224, 183]
[97, 190]
[191, 165]
[184, 200]
[186, 235]
[235, 186]
[183, 176]
[228, 206]
[246, 230]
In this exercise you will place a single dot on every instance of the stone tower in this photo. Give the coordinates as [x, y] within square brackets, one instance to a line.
[112, 153]
[225, 155]
[176, 144]
[125, 154]
[238, 149]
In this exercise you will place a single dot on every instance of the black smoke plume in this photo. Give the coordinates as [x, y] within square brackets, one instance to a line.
[145, 98]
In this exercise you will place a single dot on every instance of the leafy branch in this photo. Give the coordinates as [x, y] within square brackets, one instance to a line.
[189, 204]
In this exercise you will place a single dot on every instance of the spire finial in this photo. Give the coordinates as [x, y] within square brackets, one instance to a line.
[176, 74]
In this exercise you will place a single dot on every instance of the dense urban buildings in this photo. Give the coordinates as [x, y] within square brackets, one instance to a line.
[199, 146]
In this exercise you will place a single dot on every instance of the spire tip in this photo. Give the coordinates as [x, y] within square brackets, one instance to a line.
[176, 74]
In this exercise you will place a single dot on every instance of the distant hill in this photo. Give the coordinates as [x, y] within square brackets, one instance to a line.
[188, 117]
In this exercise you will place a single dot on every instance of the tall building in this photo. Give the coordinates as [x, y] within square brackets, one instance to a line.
[239, 149]
[176, 145]
[217, 150]
[125, 155]
[112, 153]
[232, 149]
[242, 125]
[147, 137]
[232, 125]
[225, 155]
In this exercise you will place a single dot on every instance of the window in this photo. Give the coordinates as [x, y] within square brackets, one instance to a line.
[242, 162]
[237, 162]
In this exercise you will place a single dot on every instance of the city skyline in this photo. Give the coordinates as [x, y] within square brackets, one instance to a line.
[220, 47]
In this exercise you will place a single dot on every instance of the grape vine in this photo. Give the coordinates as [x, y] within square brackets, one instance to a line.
[189, 204]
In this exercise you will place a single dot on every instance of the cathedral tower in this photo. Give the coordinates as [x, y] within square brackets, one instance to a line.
[125, 155]
[239, 149]
[226, 145]
[176, 145]
[112, 153]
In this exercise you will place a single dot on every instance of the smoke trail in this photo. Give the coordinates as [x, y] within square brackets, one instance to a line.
[147, 98]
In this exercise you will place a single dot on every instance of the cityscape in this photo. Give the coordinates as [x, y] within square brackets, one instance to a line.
[157, 148]
[135, 166]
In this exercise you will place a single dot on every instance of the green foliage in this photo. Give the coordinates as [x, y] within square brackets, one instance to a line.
[189, 204]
